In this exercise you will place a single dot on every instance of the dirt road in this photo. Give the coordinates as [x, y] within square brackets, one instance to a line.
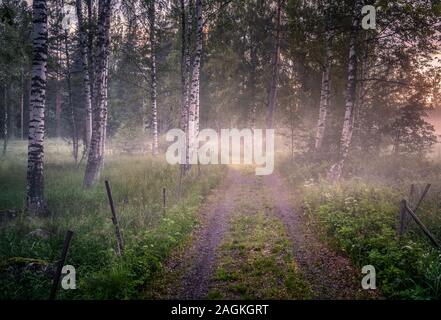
[193, 270]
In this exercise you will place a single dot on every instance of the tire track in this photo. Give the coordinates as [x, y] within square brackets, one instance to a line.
[206, 239]
[330, 275]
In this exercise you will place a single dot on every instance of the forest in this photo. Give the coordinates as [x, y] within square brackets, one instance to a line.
[220, 149]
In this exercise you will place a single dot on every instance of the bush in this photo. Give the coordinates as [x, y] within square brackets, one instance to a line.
[360, 221]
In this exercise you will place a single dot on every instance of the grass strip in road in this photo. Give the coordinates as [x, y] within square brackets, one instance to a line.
[255, 262]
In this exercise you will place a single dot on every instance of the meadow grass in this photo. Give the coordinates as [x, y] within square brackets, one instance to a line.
[149, 231]
[359, 217]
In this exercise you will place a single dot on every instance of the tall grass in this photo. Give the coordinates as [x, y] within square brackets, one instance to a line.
[358, 217]
[149, 232]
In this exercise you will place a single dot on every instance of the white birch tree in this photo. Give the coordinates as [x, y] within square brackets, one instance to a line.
[336, 169]
[35, 180]
[193, 114]
[325, 91]
[95, 158]
[84, 54]
[153, 84]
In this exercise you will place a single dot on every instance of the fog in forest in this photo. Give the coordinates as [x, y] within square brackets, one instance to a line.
[195, 149]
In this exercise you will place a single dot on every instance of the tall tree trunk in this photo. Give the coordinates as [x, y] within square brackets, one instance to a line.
[253, 79]
[5, 120]
[325, 91]
[35, 181]
[188, 62]
[193, 121]
[95, 158]
[85, 53]
[275, 72]
[58, 93]
[360, 101]
[153, 92]
[185, 65]
[91, 16]
[105, 111]
[11, 112]
[336, 169]
[71, 106]
[22, 89]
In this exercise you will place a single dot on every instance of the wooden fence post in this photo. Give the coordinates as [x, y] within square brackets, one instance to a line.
[401, 218]
[119, 240]
[426, 189]
[404, 218]
[423, 227]
[60, 265]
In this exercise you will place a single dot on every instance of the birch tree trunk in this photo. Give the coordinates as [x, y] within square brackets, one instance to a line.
[58, 86]
[275, 72]
[325, 91]
[58, 100]
[35, 181]
[193, 121]
[5, 119]
[185, 65]
[22, 88]
[253, 79]
[153, 92]
[91, 15]
[71, 106]
[336, 169]
[188, 62]
[84, 53]
[95, 158]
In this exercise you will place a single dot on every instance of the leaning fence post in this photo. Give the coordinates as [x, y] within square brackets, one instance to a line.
[423, 227]
[426, 189]
[120, 246]
[60, 265]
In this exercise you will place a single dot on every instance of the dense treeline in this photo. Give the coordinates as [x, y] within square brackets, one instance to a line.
[121, 69]
[83, 82]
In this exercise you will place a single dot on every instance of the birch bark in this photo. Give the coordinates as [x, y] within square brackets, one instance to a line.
[336, 169]
[35, 180]
[185, 65]
[69, 93]
[153, 85]
[325, 91]
[95, 159]
[84, 53]
[193, 122]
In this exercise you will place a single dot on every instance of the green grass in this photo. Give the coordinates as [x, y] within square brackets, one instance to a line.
[255, 262]
[149, 233]
[359, 218]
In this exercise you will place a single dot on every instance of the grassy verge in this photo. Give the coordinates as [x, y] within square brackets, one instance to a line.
[359, 218]
[255, 262]
[149, 233]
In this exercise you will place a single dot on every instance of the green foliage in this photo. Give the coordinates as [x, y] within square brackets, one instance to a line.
[360, 220]
[149, 233]
[358, 217]
[412, 133]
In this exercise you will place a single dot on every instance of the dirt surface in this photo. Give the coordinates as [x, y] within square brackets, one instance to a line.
[330, 275]
[215, 216]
